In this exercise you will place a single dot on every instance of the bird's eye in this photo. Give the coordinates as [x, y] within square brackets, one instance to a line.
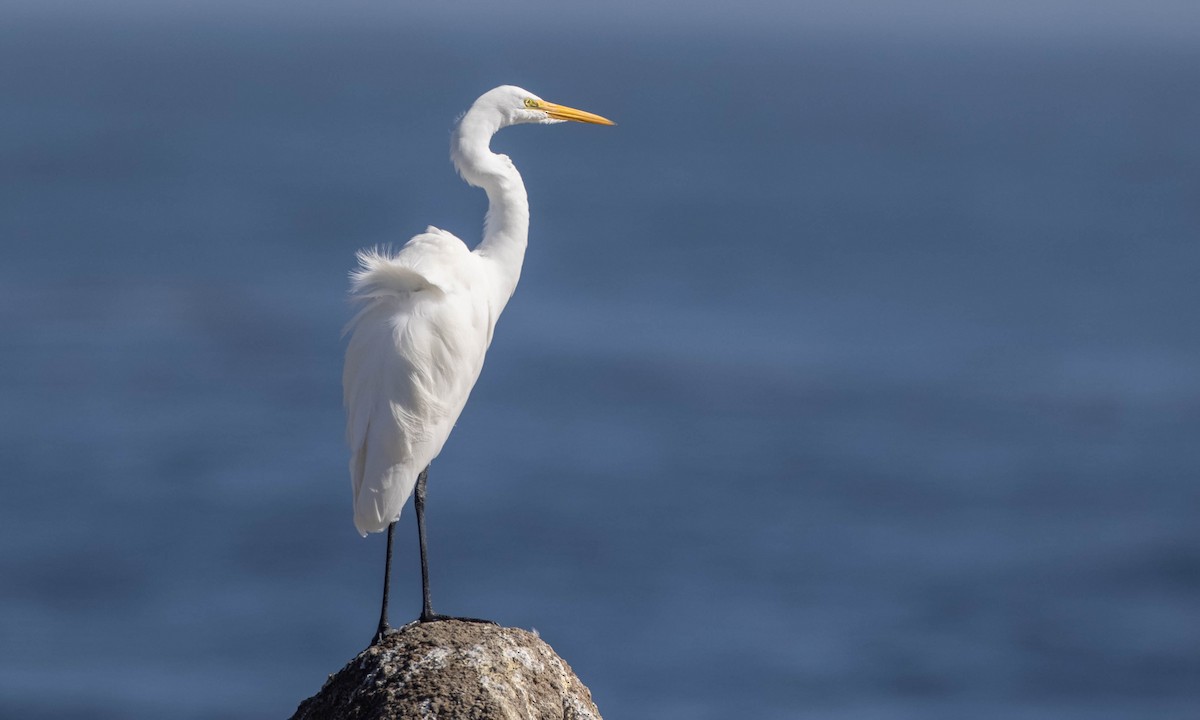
[531, 103]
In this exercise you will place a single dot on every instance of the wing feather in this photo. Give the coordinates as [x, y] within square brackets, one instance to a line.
[416, 348]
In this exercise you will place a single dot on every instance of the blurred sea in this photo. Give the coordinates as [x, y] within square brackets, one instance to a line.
[848, 377]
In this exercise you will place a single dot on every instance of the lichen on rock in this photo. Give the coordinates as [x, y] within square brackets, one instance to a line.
[453, 670]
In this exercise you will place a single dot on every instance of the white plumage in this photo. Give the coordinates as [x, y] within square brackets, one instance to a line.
[427, 313]
[415, 352]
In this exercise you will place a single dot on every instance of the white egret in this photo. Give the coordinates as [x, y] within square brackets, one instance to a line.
[425, 320]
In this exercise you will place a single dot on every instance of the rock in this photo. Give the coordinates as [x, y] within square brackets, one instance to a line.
[453, 670]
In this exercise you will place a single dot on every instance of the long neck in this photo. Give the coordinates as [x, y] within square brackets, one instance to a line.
[506, 229]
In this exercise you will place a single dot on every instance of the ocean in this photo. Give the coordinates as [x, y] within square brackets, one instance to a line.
[848, 377]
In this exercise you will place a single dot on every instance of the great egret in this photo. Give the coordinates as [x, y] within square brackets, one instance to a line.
[426, 319]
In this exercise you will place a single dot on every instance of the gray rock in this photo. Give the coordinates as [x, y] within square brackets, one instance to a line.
[453, 670]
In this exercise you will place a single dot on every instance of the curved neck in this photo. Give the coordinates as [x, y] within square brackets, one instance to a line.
[506, 229]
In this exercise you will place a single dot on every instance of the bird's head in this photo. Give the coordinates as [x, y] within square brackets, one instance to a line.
[495, 109]
[515, 106]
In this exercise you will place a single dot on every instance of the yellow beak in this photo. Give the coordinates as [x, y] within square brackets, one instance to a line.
[562, 112]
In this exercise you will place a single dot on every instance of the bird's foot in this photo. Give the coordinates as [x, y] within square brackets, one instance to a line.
[383, 632]
[434, 617]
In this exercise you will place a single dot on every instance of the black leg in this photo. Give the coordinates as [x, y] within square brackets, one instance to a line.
[384, 628]
[419, 502]
[427, 613]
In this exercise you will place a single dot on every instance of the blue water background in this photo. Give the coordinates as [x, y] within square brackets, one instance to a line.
[848, 377]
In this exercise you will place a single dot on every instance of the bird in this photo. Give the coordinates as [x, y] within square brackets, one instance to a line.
[424, 321]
